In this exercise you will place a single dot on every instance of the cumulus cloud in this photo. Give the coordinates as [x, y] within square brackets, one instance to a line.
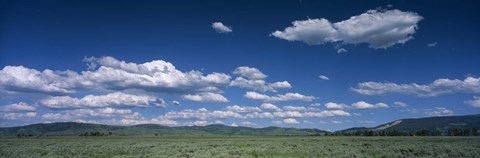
[259, 115]
[249, 72]
[336, 122]
[101, 101]
[252, 78]
[112, 74]
[259, 85]
[22, 79]
[270, 106]
[439, 111]
[365, 105]
[438, 87]
[108, 112]
[377, 28]
[206, 97]
[475, 102]
[324, 113]
[21, 106]
[294, 108]
[279, 97]
[332, 105]
[201, 114]
[243, 109]
[290, 121]
[221, 28]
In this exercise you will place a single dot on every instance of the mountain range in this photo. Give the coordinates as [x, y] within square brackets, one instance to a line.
[73, 128]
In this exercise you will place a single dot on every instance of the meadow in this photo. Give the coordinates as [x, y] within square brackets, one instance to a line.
[239, 146]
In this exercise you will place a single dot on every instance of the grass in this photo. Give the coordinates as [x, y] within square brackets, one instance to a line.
[217, 146]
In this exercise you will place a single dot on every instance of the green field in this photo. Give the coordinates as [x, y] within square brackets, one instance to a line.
[117, 146]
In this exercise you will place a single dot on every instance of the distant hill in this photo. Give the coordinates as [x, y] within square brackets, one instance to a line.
[429, 123]
[73, 128]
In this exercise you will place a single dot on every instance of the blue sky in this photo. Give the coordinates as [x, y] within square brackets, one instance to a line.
[244, 63]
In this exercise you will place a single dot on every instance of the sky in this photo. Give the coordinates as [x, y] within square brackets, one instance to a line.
[304, 64]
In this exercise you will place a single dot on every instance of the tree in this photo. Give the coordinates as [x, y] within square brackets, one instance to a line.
[474, 132]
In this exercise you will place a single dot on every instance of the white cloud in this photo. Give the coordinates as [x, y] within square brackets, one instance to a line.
[71, 115]
[290, 121]
[365, 105]
[282, 84]
[287, 114]
[400, 104]
[366, 121]
[220, 28]
[439, 111]
[201, 114]
[165, 122]
[322, 77]
[252, 78]
[250, 73]
[234, 125]
[475, 102]
[177, 103]
[206, 97]
[259, 115]
[332, 105]
[200, 123]
[342, 50]
[307, 122]
[432, 44]
[278, 97]
[243, 109]
[311, 31]
[294, 108]
[336, 122]
[438, 87]
[377, 28]
[270, 106]
[326, 113]
[101, 101]
[112, 74]
[21, 79]
[315, 104]
[259, 85]
[248, 123]
[21, 106]
[17, 115]
[276, 122]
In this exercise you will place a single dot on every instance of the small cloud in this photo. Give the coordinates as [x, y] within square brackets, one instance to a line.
[177, 103]
[290, 121]
[220, 28]
[342, 50]
[400, 104]
[439, 111]
[323, 77]
[315, 104]
[475, 102]
[336, 122]
[432, 44]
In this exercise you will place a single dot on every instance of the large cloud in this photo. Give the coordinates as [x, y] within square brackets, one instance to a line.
[279, 97]
[112, 74]
[21, 79]
[438, 87]
[379, 29]
[100, 101]
[475, 102]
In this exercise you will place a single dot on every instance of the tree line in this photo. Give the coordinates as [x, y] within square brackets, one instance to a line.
[96, 133]
[423, 132]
